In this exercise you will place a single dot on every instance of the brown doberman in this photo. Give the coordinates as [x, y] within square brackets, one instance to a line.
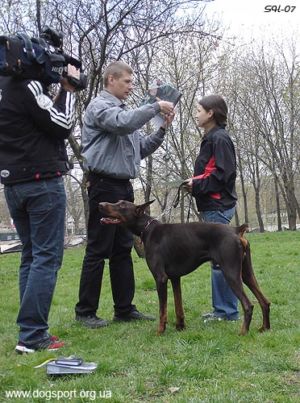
[173, 250]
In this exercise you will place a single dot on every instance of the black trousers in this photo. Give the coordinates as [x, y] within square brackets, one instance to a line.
[111, 242]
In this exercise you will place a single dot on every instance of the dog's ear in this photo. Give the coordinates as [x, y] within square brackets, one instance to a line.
[140, 210]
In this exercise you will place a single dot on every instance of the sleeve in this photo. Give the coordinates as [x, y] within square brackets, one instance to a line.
[218, 171]
[116, 120]
[148, 144]
[53, 118]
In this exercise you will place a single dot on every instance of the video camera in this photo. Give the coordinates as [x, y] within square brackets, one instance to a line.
[40, 59]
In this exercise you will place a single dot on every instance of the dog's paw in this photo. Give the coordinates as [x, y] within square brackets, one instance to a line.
[180, 326]
[263, 329]
[161, 329]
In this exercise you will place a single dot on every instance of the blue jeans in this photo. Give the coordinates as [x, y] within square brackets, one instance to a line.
[224, 301]
[38, 211]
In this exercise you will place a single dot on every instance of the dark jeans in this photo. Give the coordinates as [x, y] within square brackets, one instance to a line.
[111, 242]
[224, 301]
[38, 212]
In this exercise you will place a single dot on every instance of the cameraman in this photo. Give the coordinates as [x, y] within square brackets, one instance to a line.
[33, 160]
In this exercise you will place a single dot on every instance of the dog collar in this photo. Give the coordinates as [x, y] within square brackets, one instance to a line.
[147, 226]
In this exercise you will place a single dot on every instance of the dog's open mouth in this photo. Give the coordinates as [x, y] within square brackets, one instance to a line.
[109, 220]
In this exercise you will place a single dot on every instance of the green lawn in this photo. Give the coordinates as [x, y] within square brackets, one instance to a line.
[204, 363]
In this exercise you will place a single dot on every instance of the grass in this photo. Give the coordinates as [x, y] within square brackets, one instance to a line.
[204, 363]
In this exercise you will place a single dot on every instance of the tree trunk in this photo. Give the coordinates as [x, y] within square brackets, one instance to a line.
[244, 193]
[258, 211]
[85, 198]
[149, 175]
[278, 210]
[237, 219]
[291, 206]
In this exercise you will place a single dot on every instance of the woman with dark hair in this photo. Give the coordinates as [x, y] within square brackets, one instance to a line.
[213, 186]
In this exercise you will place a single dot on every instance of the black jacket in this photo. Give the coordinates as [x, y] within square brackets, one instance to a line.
[215, 172]
[32, 131]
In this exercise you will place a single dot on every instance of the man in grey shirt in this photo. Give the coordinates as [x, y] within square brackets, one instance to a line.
[112, 148]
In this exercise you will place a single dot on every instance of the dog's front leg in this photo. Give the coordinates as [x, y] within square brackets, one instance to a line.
[162, 291]
[180, 325]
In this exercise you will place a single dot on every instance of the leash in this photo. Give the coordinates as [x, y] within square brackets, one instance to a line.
[166, 211]
[176, 201]
[177, 197]
[189, 209]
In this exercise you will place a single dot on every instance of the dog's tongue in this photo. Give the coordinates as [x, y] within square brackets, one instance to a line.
[107, 220]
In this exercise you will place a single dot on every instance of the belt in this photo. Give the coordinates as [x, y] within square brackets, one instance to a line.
[94, 175]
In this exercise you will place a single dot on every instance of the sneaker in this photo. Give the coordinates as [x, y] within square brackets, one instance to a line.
[133, 315]
[211, 316]
[91, 321]
[47, 344]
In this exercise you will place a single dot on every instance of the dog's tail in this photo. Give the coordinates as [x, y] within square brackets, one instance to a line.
[240, 232]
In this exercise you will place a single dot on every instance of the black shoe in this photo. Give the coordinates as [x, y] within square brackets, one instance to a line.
[92, 321]
[133, 315]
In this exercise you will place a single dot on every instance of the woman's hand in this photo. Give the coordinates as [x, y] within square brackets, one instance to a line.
[188, 185]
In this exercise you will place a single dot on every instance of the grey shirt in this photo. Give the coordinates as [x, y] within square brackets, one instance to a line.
[111, 142]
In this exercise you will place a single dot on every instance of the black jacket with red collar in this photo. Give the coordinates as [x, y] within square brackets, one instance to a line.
[215, 172]
[32, 131]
